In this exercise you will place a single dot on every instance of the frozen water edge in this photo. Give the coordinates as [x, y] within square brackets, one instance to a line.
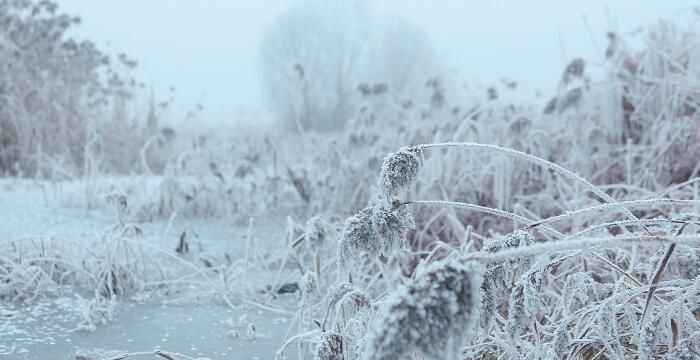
[41, 330]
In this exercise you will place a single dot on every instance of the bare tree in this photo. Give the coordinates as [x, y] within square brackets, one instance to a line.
[318, 52]
[311, 56]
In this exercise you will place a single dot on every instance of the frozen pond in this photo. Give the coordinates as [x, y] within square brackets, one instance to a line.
[43, 331]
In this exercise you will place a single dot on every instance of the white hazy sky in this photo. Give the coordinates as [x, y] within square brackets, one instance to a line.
[209, 49]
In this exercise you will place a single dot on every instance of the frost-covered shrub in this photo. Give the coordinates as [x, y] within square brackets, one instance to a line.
[62, 100]
[434, 315]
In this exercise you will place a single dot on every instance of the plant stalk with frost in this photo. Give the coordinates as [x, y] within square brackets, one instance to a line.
[433, 315]
[501, 276]
[525, 302]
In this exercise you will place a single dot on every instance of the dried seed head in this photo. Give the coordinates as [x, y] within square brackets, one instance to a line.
[308, 284]
[358, 236]
[515, 239]
[354, 302]
[374, 231]
[391, 228]
[504, 273]
[315, 233]
[330, 347]
[399, 172]
[336, 292]
[434, 315]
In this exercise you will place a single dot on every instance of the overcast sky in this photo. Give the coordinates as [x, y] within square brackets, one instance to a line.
[209, 49]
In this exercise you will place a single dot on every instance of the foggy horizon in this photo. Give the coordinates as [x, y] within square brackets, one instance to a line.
[210, 53]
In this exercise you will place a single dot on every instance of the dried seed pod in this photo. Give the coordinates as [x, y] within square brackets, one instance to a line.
[434, 315]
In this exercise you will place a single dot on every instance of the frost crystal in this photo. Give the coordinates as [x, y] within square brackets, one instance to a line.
[399, 172]
[435, 315]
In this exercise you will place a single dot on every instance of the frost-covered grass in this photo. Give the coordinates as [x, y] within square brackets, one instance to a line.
[554, 288]
[427, 228]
